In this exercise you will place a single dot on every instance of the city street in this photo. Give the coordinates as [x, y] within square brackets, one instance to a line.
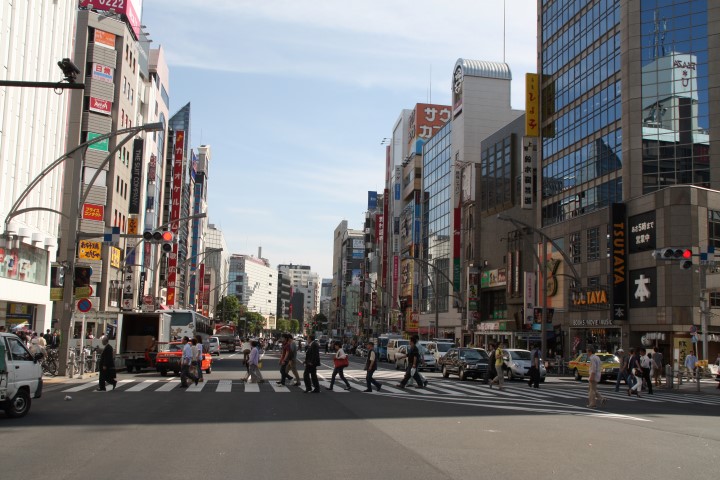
[149, 428]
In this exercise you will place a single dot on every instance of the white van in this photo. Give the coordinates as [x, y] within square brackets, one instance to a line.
[20, 376]
[392, 347]
[214, 345]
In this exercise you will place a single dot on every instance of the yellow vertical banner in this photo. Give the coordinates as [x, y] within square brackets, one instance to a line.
[132, 226]
[532, 105]
[114, 257]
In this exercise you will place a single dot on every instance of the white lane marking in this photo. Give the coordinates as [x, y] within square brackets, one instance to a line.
[252, 387]
[83, 386]
[169, 385]
[196, 388]
[224, 386]
[279, 388]
[141, 386]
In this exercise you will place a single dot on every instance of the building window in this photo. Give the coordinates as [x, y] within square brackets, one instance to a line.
[593, 244]
[714, 228]
[576, 247]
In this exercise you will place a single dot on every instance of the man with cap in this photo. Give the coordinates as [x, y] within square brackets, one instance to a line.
[623, 372]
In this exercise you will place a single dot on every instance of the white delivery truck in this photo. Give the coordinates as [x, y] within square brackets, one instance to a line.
[20, 376]
[138, 338]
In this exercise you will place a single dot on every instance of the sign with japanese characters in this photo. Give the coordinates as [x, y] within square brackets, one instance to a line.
[90, 211]
[424, 121]
[88, 250]
[618, 229]
[102, 72]
[114, 257]
[175, 199]
[100, 106]
[529, 160]
[642, 232]
[101, 145]
[532, 105]
[643, 289]
[106, 39]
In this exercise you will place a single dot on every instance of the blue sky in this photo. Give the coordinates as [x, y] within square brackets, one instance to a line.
[295, 96]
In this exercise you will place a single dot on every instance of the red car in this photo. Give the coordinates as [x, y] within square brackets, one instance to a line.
[170, 360]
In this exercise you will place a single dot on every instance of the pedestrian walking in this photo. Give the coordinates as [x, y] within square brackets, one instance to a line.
[246, 358]
[623, 371]
[107, 366]
[534, 370]
[646, 367]
[593, 379]
[690, 364]
[341, 361]
[254, 364]
[370, 367]
[499, 367]
[186, 363]
[200, 352]
[634, 382]
[413, 360]
[312, 361]
[284, 359]
[490, 372]
[657, 359]
[292, 361]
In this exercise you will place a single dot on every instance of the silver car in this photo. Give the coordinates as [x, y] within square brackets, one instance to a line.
[427, 361]
[518, 362]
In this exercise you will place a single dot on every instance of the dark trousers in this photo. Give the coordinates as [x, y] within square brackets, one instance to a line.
[370, 381]
[418, 379]
[283, 373]
[622, 375]
[646, 377]
[338, 371]
[106, 376]
[534, 373]
[309, 374]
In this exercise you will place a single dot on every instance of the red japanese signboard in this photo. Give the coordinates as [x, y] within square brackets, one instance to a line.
[93, 212]
[175, 198]
[99, 105]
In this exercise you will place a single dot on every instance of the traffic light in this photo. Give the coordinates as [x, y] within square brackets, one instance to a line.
[153, 236]
[684, 255]
[167, 241]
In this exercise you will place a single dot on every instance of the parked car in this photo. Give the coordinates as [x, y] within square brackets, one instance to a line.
[427, 361]
[381, 345]
[518, 362]
[465, 363]
[609, 368]
[20, 376]
[392, 347]
[441, 348]
[214, 346]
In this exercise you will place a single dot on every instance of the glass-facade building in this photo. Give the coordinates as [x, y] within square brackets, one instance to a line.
[581, 107]
[437, 218]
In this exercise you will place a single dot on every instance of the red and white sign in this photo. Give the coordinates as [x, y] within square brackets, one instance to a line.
[100, 106]
[175, 199]
[425, 120]
[104, 38]
[102, 72]
[94, 212]
[132, 9]
[149, 300]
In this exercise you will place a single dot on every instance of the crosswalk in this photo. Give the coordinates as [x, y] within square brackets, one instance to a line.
[444, 390]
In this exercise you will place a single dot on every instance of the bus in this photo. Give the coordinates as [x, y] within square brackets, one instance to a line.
[189, 323]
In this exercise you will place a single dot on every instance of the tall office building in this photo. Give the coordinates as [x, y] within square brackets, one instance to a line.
[304, 280]
[215, 271]
[348, 258]
[124, 85]
[33, 123]
[629, 97]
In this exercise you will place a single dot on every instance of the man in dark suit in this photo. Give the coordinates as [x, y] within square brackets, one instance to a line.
[312, 361]
[107, 365]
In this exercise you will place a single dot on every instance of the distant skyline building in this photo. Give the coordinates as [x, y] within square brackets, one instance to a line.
[255, 284]
[304, 280]
[216, 270]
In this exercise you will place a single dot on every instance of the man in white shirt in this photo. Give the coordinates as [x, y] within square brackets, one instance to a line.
[593, 379]
[185, 364]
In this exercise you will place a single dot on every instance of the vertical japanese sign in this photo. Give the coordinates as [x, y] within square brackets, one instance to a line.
[457, 223]
[619, 260]
[175, 197]
[425, 120]
[201, 288]
[136, 176]
[532, 105]
[529, 160]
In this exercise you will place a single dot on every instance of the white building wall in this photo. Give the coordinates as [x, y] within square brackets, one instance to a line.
[261, 289]
[34, 36]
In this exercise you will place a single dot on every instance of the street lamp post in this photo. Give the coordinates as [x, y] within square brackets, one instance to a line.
[522, 225]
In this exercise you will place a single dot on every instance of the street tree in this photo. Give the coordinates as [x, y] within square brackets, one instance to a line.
[294, 325]
[255, 322]
[228, 309]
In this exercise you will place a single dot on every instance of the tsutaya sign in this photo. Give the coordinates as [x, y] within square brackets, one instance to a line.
[607, 322]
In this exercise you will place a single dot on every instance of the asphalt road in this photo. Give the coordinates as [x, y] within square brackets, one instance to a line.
[149, 428]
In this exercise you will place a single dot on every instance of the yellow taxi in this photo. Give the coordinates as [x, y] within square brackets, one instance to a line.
[610, 366]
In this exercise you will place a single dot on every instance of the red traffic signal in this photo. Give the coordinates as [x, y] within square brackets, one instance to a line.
[168, 239]
[687, 253]
[167, 236]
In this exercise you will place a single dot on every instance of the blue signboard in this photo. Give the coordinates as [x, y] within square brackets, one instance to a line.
[372, 200]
